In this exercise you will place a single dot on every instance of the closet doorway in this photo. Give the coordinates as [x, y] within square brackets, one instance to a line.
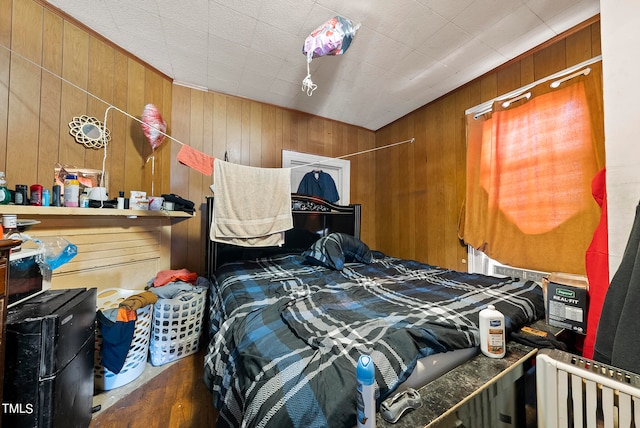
[302, 163]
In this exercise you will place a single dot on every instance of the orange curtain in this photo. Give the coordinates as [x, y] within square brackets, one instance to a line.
[529, 173]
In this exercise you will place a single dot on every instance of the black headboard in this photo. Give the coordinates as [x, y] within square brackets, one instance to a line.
[312, 218]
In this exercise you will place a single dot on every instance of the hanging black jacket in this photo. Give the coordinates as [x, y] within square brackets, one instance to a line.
[319, 183]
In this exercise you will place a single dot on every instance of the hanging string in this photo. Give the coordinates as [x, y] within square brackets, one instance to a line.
[320, 162]
[307, 84]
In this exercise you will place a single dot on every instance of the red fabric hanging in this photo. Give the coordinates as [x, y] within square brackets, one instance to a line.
[597, 264]
[195, 159]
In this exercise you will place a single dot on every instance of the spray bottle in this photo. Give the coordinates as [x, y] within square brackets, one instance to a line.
[366, 401]
[492, 333]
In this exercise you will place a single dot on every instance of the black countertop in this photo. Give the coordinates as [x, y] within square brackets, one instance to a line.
[444, 397]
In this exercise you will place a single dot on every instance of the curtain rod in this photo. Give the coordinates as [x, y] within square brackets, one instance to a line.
[485, 107]
[583, 72]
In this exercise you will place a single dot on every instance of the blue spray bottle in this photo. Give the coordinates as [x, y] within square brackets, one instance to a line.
[366, 401]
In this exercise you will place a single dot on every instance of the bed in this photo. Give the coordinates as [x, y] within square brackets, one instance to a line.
[287, 326]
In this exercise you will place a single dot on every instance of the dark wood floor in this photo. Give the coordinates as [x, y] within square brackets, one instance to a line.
[177, 398]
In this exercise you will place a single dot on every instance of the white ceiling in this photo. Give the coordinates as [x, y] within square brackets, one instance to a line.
[405, 53]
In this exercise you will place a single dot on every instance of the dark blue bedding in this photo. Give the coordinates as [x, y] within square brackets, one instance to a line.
[285, 336]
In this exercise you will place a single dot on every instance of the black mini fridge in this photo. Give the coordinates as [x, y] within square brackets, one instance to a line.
[48, 380]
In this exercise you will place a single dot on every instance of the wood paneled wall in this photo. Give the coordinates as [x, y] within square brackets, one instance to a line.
[254, 133]
[420, 187]
[113, 252]
[53, 69]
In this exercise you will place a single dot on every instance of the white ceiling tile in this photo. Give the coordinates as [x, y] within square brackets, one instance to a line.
[410, 67]
[381, 15]
[276, 42]
[418, 24]
[284, 88]
[220, 83]
[579, 11]
[386, 16]
[405, 53]
[252, 78]
[359, 75]
[432, 74]
[446, 8]
[227, 70]
[287, 15]
[473, 52]
[186, 39]
[547, 9]
[521, 20]
[316, 17]
[269, 64]
[293, 71]
[222, 50]
[245, 7]
[151, 6]
[483, 14]
[447, 39]
[231, 25]
[379, 50]
[533, 38]
[193, 14]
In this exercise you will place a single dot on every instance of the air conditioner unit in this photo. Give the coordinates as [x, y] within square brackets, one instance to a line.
[479, 262]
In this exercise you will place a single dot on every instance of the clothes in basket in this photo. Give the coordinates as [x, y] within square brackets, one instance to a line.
[177, 320]
[108, 302]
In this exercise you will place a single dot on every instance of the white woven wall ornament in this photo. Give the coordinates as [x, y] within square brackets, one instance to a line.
[89, 132]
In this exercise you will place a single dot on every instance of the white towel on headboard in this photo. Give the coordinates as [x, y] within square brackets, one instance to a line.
[251, 206]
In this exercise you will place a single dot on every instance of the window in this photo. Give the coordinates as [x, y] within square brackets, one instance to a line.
[530, 164]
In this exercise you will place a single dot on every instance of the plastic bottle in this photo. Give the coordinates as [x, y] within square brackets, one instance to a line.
[120, 203]
[36, 195]
[71, 190]
[492, 333]
[5, 195]
[55, 195]
[9, 225]
[20, 196]
[84, 200]
[46, 197]
[365, 400]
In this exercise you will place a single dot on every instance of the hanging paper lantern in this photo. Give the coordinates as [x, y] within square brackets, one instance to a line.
[331, 38]
[153, 125]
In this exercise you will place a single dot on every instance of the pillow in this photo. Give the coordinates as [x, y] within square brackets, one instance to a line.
[336, 249]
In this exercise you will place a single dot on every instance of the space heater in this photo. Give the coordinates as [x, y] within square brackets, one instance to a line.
[577, 392]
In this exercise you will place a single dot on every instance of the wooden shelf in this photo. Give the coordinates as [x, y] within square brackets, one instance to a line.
[29, 210]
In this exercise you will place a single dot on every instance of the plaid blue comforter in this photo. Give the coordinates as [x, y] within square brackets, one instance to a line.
[285, 336]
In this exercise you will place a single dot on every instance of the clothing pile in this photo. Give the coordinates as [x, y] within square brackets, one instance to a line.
[177, 284]
[117, 326]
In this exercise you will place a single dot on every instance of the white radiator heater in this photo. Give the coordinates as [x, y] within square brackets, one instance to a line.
[577, 392]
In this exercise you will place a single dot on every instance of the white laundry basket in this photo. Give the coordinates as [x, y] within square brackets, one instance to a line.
[176, 328]
[136, 361]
